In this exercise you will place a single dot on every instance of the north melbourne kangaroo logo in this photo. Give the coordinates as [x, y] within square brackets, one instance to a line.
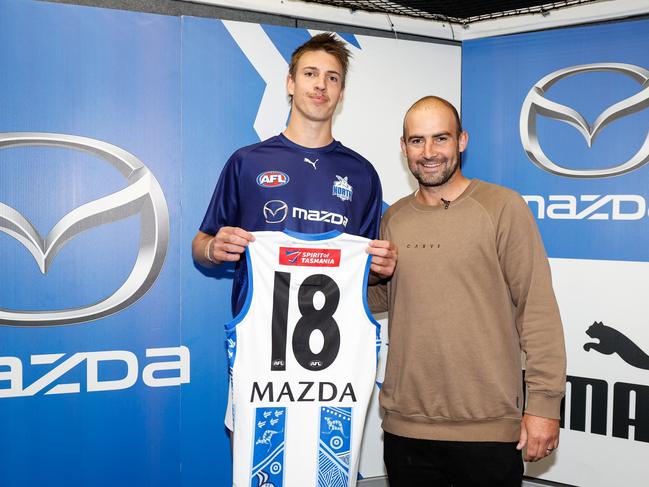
[612, 341]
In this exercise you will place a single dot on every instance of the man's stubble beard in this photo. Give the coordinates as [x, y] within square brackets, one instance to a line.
[447, 174]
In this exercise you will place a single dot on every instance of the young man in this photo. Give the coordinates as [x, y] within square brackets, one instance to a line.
[301, 180]
[472, 290]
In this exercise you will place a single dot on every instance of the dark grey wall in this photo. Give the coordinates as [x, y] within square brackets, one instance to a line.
[177, 8]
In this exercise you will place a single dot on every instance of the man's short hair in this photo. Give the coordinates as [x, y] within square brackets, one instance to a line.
[328, 43]
[426, 100]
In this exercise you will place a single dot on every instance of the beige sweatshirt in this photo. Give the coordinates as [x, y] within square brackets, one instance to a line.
[472, 288]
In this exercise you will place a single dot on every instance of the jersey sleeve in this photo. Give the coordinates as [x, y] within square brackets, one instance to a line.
[223, 209]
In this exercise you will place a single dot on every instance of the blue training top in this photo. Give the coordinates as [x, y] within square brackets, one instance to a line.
[277, 184]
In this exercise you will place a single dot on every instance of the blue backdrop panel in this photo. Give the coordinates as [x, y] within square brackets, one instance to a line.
[579, 217]
[562, 116]
[114, 77]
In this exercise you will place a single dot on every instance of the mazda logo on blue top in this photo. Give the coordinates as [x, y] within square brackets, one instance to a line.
[275, 211]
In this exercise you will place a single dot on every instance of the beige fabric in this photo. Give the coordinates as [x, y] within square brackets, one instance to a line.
[471, 290]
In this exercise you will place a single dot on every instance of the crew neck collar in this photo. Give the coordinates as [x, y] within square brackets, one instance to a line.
[463, 196]
[311, 150]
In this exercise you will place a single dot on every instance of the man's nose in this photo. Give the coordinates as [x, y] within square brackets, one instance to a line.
[430, 150]
[321, 82]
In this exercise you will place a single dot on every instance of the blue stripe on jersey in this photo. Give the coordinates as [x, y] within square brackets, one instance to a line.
[231, 345]
[268, 447]
[367, 308]
[334, 452]
[229, 327]
[312, 236]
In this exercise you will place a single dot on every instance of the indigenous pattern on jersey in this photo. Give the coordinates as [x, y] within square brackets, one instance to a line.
[269, 440]
[277, 185]
[334, 450]
[303, 355]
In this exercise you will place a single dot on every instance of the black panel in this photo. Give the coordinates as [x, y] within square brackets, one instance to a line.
[465, 11]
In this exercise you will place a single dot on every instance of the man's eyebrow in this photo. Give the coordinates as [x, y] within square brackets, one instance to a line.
[439, 134]
[318, 69]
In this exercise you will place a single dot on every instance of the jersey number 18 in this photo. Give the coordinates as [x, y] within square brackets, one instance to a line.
[311, 319]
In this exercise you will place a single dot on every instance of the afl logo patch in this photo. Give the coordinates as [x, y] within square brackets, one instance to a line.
[272, 179]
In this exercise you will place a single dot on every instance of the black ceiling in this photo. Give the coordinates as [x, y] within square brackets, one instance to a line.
[457, 11]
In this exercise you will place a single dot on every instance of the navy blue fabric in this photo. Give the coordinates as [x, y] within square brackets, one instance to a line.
[311, 206]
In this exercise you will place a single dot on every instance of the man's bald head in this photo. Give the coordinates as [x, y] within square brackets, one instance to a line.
[433, 103]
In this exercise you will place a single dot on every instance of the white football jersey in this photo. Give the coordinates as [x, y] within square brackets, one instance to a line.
[303, 355]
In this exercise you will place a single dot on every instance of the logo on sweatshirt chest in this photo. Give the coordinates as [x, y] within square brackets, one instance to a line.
[422, 245]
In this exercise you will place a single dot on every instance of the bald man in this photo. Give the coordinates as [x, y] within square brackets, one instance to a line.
[471, 291]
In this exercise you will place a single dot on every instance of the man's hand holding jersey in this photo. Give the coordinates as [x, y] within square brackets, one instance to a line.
[230, 242]
[384, 259]
[226, 246]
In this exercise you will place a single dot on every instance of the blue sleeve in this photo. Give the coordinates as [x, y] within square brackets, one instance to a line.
[224, 206]
[370, 225]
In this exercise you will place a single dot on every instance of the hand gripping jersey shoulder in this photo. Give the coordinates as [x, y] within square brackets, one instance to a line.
[303, 357]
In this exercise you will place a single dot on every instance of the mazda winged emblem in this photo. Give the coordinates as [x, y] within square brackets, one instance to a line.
[143, 195]
[536, 104]
[275, 211]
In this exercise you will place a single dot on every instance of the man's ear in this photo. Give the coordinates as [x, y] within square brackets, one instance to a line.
[463, 141]
[403, 146]
[290, 85]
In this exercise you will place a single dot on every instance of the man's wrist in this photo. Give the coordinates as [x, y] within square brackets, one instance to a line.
[208, 252]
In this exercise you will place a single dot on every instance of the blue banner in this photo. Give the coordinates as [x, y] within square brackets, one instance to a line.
[91, 361]
[561, 116]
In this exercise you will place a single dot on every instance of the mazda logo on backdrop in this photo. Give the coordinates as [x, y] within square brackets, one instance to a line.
[536, 104]
[143, 195]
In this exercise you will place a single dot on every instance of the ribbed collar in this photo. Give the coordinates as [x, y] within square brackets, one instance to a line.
[414, 202]
[309, 150]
